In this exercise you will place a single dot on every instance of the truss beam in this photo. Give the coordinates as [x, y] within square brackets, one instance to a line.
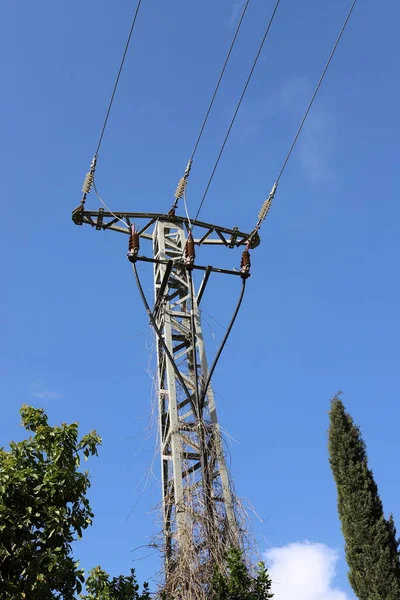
[211, 234]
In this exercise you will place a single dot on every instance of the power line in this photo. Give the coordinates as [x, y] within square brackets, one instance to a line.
[268, 202]
[180, 190]
[315, 92]
[90, 176]
[118, 76]
[238, 107]
[219, 79]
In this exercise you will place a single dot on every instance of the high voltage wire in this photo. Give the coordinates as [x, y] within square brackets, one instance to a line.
[180, 191]
[219, 79]
[315, 92]
[237, 108]
[268, 202]
[118, 75]
[90, 177]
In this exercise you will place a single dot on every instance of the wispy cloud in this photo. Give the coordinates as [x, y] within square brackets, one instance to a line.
[41, 391]
[236, 10]
[305, 571]
[314, 144]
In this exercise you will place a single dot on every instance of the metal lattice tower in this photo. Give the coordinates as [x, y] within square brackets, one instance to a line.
[198, 505]
[197, 499]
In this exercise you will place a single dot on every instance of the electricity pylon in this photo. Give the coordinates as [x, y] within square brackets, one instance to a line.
[198, 504]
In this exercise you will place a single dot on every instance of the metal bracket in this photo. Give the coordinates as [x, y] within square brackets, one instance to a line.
[99, 222]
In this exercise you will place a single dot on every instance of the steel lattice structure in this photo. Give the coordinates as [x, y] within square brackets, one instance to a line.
[197, 498]
[198, 506]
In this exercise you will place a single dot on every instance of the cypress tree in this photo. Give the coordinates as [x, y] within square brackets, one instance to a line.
[372, 549]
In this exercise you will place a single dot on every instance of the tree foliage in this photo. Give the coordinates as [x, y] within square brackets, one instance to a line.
[43, 509]
[238, 583]
[100, 587]
[372, 549]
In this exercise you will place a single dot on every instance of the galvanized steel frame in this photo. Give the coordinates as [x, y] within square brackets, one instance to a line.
[187, 461]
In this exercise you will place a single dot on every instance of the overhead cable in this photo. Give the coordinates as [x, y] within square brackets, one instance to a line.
[220, 79]
[128, 41]
[238, 107]
[197, 407]
[183, 181]
[315, 92]
[267, 203]
[162, 340]
[227, 333]
[90, 176]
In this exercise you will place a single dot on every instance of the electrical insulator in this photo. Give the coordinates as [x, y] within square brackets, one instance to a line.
[266, 206]
[87, 184]
[245, 262]
[189, 250]
[264, 209]
[133, 242]
[180, 188]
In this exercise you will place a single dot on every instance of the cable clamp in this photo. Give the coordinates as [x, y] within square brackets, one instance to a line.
[188, 168]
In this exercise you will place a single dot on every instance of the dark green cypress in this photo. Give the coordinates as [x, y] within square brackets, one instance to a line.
[372, 549]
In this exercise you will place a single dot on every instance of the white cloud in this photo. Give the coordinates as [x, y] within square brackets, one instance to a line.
[39, 390]
[304, 571]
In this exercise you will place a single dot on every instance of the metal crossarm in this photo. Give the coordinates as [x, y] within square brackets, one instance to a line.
[211, 234]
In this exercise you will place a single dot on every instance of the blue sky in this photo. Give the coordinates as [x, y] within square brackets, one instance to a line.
[321, 309]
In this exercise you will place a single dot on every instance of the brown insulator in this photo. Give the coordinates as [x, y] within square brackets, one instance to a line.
[134, 242]
[245, 262]
[189, 250]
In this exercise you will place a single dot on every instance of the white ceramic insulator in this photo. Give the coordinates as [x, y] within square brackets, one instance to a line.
[181, 187]
[264, 209]
[87, 184]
